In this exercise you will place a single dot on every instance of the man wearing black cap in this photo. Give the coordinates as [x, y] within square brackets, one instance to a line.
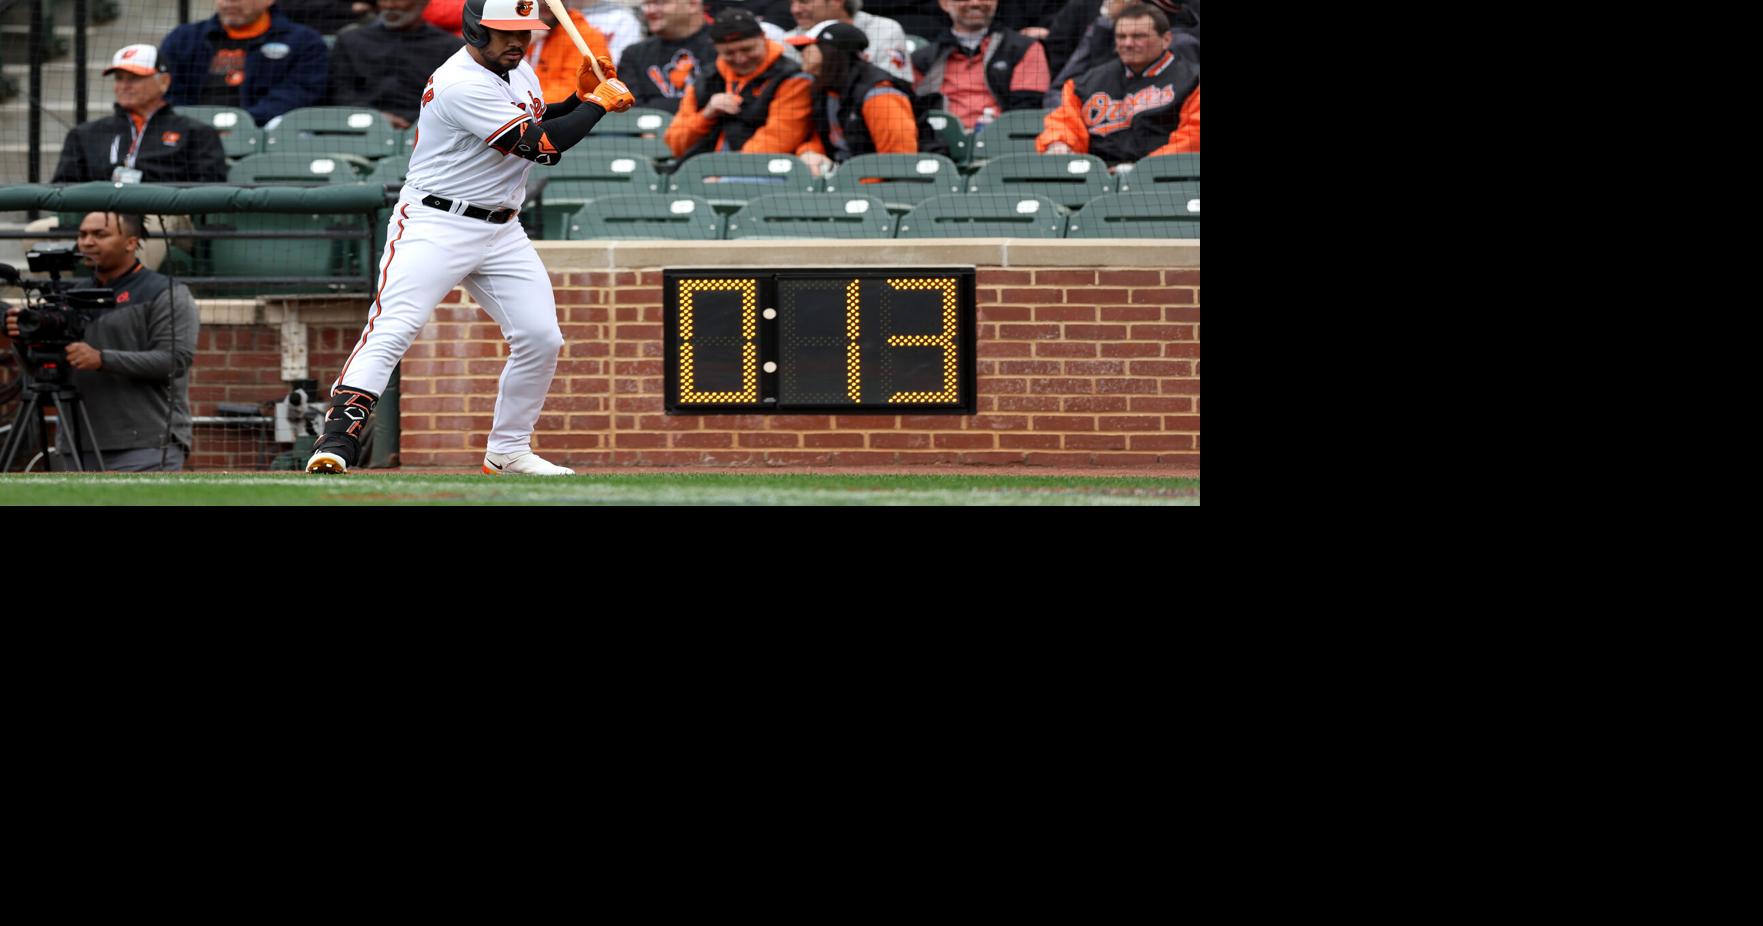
[757, 101]
[143, 140]
[858, 107]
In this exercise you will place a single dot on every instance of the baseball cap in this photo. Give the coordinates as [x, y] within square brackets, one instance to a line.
[512, 15]
[839, 35]
[136, 59]
[734, 24]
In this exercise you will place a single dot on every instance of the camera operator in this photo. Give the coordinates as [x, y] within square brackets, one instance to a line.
[133, 367]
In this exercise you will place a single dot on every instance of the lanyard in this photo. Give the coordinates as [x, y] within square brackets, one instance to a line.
[135, 134]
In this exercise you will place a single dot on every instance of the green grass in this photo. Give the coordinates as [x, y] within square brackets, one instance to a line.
[620, 489]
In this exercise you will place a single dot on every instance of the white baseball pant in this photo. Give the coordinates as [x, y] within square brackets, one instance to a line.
[428, 252]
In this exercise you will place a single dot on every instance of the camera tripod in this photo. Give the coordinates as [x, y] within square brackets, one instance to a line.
[48, 388]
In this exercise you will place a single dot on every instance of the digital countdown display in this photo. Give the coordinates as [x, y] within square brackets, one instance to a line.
[860, 341]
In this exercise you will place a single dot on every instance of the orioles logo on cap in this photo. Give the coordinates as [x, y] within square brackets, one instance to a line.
[523, 7]
[128, 53]
[170, 138]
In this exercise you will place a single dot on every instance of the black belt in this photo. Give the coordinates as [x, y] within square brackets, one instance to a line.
[471, 212]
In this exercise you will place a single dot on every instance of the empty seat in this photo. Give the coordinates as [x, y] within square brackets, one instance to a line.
[587, 175]
[1011, 133]
[342, 129]
[1153, 173]
[730, 180]
[900, 180]
[984, 215]
[239, 135]
[647, 216]
[1173, 211]
[945, 124]
[827, 216]
[261, 258]
[1067, 179]
[292, 168]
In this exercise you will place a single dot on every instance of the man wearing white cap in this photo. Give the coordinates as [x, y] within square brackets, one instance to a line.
[144, 140]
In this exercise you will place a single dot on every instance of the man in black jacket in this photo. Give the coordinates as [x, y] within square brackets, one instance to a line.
[661, 68]
[143, 140]
[386, 65]
[981, 69]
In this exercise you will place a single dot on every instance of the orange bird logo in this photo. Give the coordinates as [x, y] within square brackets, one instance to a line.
[523, 7]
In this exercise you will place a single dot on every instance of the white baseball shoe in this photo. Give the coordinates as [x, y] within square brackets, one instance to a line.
[525, 463]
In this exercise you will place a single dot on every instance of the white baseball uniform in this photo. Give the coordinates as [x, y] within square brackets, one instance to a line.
[429, 251]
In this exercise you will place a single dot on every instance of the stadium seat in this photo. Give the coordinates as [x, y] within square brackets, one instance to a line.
[390, 170]
[1151, 173]
[637, 131]
[586, 175]
[256, 258]
[1173, 211]
[946, 125]
[792, 216]
[292, 168]
[1067, 179]
[984, 215]
[914, 43]
[1012, 133]
[343, 129]
[239, 135]
[730, 180]
[647, 216]
[900, 180]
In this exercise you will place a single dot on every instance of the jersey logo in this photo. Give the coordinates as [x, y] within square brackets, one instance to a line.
[170, 139]
[122, 298]
[428, 96]
[538, 109]
[1105, 116]
[523, 8]
[672, 80]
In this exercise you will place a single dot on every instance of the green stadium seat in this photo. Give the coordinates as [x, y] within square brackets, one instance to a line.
[900, 180]
[647, 216]
[292, 168]
[730, 180]
[914, 43]
[946, 125]
[1067, 179]
[984, 215]
[239, 135]
[1151, 173]
[1173, 211]
[636, 131]
[343, 129]
[585, 175]
[256, 258]
[793, 216]
[1011, 133]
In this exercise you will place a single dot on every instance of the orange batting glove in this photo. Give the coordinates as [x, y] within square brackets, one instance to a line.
[585, 81]
[613, 96]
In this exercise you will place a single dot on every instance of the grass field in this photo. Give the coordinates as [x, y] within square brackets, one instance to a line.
[618, 489]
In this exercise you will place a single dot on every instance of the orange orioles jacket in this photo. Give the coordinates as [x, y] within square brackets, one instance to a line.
[776, 110]
[1119, 116]
[559, 59]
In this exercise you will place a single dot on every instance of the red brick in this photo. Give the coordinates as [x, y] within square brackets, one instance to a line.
[1065, 423]
[1132, 313]
[1065, 313]
[1100, 297]
[420, 404]
[1029, 367]
[1163, 297]
[797, 422]
[1183, 349]
[1094, 404]
[1095, 367]
[573, 297]
[462, 422]
[635, 297]
[1065, 277]
[1060, 386]
[1027, 403]
[1095, 332]
[1131, 277]
[1005, 278]
[866, 422]
[440, 440]
[899, 441]
[1065, 349]
[1159, 404]
[1029, 332]
[998, 423]
[1029, 441]
[581, 368]
[669, 423]
[1057, 459]
[632, 332]
[1130, 349]
[1181, 422]
[995, 349]
[1010, 386]
[1004, 313]
[1181, 313]
[985, 297]
[845, 440]
[1162, 368]
[703, 440]
[931, 422]
[1129, 423]
[1161, 442]
[1159, 332]
[588, 349]
[590, 422]
[779, 439]
[637, 367]
[1126, 387]
[1181, 278]
[965, 441]
[634, 441]
[1095, 442]
[581, 332]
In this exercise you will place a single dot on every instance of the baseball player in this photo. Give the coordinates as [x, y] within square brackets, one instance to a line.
[482, 127]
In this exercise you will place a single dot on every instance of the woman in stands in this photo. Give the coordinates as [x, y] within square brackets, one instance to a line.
[858, 107]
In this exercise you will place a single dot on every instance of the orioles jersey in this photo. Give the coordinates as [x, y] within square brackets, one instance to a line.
[469, 122]
[1120, 116]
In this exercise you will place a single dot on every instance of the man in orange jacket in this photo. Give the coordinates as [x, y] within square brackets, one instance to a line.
[757, 101]
[554, 56]
[1145, 104]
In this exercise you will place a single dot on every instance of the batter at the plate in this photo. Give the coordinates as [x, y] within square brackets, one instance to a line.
[482, 128]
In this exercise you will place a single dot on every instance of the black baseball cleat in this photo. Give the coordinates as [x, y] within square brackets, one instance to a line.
[333, 455]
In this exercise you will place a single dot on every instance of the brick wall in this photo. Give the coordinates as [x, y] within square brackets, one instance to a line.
[1077, 367]
[242, 363]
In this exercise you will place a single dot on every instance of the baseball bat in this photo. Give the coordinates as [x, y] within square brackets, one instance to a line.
[581, 44]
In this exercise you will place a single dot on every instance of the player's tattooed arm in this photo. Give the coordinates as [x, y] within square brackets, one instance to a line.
[545, 142]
